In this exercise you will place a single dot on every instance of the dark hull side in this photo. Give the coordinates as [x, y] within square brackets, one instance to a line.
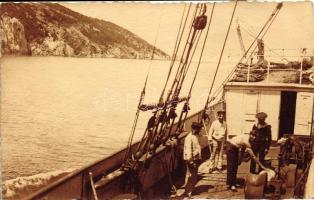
[77, 185]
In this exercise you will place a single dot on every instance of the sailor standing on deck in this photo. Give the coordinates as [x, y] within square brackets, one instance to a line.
[236, 143]
[216, 138]
[263, 140]
[192, 156]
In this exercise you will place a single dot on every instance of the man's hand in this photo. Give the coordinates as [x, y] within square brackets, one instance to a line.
[192, 163]
[210, 141]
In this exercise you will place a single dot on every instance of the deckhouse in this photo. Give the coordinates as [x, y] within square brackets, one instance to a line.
[284, 91]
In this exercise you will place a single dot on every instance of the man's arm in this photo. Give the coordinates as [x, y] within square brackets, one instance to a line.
[211, 131]
[187, 154]
[252, 155]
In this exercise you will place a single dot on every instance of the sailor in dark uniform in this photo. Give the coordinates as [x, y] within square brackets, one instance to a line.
[262, 142]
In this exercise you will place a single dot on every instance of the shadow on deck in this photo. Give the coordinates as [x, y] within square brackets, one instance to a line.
[213, 185]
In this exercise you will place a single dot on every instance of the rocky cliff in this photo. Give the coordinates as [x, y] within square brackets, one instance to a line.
[49, 29]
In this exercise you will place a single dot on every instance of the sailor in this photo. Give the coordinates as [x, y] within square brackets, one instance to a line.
[242, 141]
[216, 138]
[263, 140]
[192, 157]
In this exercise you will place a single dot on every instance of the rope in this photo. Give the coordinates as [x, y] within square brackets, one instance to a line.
[136, 119]
[197, 69]
[268, 26]
[156, 134]
[142, 96]
[221, 54]
[175, 83]
[195, 37]
[176, 46]
[199, 61]
[271, 50]
[277, 9]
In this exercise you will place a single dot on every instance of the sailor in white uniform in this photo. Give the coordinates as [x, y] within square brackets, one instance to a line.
[216, 138]
[192, 156]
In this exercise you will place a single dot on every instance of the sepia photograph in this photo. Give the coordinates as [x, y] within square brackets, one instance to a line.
[157, 100]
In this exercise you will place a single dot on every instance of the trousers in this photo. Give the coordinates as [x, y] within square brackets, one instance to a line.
[259, 152]
[192, 179]
[232, 164]
[217, 150]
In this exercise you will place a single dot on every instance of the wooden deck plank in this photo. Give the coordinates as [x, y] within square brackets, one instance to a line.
[213, 185]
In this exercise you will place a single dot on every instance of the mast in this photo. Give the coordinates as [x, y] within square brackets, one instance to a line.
[240, 38]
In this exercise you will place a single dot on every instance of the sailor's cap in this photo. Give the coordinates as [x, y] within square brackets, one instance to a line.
[261, 115]
[221, 112]
[196, 126]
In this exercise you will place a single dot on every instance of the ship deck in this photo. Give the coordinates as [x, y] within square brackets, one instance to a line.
[213, 185]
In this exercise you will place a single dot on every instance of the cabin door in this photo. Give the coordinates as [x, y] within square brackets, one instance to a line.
[287, 113]
[304, 112]
[250, 108]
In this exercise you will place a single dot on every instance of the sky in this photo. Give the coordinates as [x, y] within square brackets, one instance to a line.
[292, 29]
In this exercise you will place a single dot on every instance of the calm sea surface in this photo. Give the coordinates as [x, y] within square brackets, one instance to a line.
[59, 113]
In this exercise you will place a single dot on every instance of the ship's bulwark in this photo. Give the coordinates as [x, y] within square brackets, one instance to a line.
[77, 184]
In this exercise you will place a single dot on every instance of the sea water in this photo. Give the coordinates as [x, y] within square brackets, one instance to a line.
[61, 113]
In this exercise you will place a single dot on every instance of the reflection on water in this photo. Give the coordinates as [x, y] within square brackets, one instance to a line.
[60, 113]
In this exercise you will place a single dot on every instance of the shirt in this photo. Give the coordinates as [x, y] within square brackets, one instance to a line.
[192, 148]
[263, 138]
[217, 130]
[241, 140]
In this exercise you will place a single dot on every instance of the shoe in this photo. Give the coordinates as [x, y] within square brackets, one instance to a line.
[186, 196]
[238, 186]
[233, 188]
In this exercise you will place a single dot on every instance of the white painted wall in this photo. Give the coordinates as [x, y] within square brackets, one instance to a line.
[242, 105]
[303, 113]
[234, 111]
[269, 103]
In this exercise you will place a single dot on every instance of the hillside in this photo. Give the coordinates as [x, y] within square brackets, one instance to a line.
[49, 29]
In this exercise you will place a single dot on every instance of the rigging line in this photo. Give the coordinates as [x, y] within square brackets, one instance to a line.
[180, 118]
[181, 81]
[177, 44]
[143, 92]
[187, 65]
[221, 54]
[185, 47]
[158, 122]
[136, 118]
[193, 39]
[175, 82]
[278, 7]
[271, 50]
[199, 62]
[271, 22]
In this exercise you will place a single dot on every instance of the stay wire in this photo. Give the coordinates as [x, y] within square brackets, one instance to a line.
[176, 46]
[219, 89]
[142, 94]
[156, 126]
[197, 69]
[221, 54]
[199, 62]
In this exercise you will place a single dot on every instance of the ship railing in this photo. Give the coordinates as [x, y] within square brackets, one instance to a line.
[301, 64]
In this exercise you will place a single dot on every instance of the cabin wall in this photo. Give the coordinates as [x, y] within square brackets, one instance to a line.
[242, 105]
[270, 104]
[304, 113]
